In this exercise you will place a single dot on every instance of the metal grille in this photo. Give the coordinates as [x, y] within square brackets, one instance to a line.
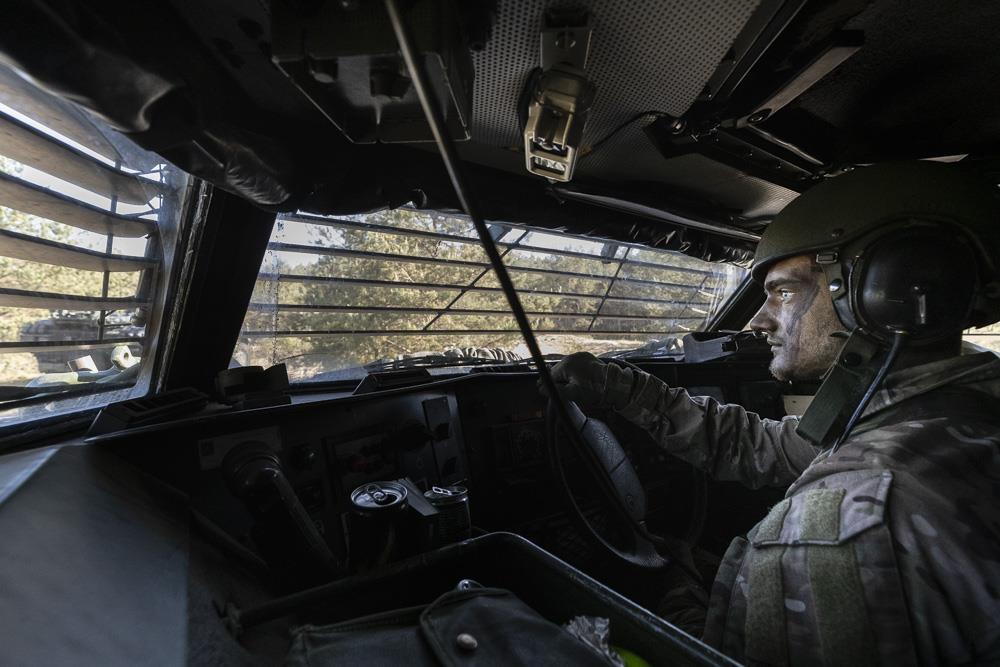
[643, 56]
[80, 243]
[414, 279]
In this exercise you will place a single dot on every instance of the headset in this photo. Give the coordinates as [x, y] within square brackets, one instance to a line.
[918, 277]
[911, 282]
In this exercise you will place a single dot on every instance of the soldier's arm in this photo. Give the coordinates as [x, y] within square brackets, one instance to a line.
[726, 441]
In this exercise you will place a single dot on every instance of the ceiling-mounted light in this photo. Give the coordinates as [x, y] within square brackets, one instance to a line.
[559, 95]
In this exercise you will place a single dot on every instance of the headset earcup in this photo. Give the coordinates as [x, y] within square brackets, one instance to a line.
[916, 280]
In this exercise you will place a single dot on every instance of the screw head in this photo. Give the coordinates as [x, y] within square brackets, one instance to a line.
[466, 642]
[759, 116]
[836, 284]
[852, 359]
[565, 40]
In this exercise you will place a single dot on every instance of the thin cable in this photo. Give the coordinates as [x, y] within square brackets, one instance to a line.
[897, 345]
[637, 117]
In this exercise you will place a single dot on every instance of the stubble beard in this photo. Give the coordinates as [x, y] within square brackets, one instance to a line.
[811, 363]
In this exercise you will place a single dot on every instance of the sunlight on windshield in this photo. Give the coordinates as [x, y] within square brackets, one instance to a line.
[86, 218]
[337, 294]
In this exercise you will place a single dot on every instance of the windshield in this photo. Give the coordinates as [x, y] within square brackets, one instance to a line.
[88, 224]
[335, 295]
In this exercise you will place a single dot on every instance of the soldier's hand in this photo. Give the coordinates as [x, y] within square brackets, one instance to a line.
[580, 377]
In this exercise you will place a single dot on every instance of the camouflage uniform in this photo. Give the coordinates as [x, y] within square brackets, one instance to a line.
[886, 552]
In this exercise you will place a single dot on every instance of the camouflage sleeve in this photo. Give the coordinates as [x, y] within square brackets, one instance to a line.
[724, 440]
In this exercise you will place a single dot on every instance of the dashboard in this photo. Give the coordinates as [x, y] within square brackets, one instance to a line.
[483, 431]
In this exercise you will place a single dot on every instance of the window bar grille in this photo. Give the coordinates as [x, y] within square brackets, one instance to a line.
[465, 263]
[369, 333]
[611, 285]
[364, 282]
[442, 236]
[475, 280]
[416, 310]
[699, 288]
[106, 279]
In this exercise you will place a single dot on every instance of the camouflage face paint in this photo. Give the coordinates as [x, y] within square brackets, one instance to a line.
[798, 321]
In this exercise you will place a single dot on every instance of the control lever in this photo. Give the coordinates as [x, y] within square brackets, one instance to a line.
[284, 531]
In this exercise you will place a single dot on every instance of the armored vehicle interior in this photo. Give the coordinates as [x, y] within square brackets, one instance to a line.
[258, 370]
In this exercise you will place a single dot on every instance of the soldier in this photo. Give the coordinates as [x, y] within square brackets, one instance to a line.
[885, 549]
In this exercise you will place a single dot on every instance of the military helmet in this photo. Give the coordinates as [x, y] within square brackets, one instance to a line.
[842, 221]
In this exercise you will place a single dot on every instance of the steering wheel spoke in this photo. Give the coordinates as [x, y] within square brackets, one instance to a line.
[617, 481]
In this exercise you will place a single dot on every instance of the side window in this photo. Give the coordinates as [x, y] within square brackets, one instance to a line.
[86, 221]
[987, 337]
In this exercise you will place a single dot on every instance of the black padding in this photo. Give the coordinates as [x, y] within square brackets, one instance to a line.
[920, 281]
[94, 568]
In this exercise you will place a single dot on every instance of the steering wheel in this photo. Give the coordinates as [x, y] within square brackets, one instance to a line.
[616, 480]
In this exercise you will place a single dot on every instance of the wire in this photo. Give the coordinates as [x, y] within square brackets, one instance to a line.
[637, 117]
[897, 345]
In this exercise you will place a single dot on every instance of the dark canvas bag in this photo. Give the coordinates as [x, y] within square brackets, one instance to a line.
[478, 626]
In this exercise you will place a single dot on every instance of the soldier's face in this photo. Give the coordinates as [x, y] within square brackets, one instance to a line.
[799, 320]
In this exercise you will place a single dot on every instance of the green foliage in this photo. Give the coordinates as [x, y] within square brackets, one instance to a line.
[362, 339]
[34, 276]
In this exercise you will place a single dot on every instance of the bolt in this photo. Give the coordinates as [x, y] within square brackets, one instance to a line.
[565, 40]
[852, 359]
[759, 116]
[677, 126]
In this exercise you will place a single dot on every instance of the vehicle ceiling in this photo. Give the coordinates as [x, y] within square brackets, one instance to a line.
[195, 82]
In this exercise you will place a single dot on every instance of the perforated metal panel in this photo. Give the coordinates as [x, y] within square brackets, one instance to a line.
[645, 56]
